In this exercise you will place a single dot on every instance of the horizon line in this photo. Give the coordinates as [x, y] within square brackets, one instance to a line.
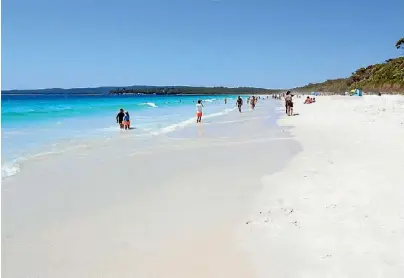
[154, 86]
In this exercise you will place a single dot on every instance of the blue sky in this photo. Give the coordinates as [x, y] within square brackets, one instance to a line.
[272, 44]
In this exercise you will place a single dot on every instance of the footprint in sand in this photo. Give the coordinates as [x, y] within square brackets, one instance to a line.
[331, 206]
[326, 257]
[296, 224]
[287, 211]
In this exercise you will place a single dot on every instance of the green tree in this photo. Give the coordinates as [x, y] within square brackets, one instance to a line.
[400, 43]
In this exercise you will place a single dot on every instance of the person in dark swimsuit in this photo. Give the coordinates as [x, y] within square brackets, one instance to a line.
[239, 103]
[289, 103]
[119, 118]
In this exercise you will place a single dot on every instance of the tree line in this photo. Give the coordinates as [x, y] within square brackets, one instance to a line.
[178, 90]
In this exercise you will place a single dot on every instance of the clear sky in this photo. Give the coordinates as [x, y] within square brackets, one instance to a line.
[262, 43]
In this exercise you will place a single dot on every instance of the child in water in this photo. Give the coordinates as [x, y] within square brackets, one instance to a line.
[126, 120]
[199, 106]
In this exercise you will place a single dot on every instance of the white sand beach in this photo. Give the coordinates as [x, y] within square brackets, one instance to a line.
[337, 209]
[321, 195]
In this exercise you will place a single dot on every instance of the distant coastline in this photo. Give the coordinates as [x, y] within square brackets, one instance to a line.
[143, 90]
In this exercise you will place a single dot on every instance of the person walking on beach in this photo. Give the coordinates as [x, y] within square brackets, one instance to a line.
[119, 118]
[252, 102]
[199, 106]
[239, 103]
[289, 104]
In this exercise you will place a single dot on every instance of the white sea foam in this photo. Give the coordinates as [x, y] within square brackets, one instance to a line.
[190, 121]
[209, 100]
[173, 127]
[9, 169]
[14, 132]
[150, 104]
[110, 128]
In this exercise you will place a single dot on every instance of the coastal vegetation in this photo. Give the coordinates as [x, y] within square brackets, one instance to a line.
[400, 43]
[186, 90]
[132, 90]
[383, 77]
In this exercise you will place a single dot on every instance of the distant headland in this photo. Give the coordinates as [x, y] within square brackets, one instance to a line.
[186, 90]
[144, 90]
[387, 77]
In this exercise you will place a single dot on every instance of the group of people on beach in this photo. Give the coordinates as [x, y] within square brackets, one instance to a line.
[252, 101]
[310, 100]
[239, 102]
[289, 102]
[123, 119]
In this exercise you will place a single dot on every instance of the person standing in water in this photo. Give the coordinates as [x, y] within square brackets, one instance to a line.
[119, 118]
[239, 103]
[199, 106]
[126, 120]
[253, 101]
[225, 100]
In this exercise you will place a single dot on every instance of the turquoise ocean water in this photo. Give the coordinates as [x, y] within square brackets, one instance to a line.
[34, 124]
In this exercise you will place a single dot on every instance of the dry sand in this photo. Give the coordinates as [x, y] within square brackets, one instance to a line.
[337, 210]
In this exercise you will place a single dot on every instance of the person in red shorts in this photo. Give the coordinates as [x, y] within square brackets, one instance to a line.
[199, 106]
[126, 120]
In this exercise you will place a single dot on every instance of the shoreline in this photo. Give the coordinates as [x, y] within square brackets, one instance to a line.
[42, 136]
[11, 166]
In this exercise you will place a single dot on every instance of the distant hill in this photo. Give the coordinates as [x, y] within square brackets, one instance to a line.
[160, 90]
[384, 77]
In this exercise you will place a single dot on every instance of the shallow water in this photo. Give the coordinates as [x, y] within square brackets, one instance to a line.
[37, 124]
